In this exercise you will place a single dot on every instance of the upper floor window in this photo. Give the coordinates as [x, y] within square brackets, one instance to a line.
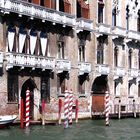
[60, 5]
[45, 88]
[138, 22]
[100, 11]
[61, 47]
[139, 58]
[127, 18]
[61, 82]
[100, 52]
[130, 59]
[114, 17]
[12, 39]
[82, 50]
[116, 56]
[12, 87]
[81, 84]
[82, 9]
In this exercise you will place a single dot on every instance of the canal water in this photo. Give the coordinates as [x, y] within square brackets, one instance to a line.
[124, 129]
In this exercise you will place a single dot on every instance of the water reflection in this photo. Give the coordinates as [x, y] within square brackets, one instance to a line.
[125, 129]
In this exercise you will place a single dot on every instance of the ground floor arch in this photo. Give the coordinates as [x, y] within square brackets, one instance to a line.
[99, 88]
[31, 86]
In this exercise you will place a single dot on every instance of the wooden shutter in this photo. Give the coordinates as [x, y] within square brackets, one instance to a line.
[36, 2]
[67, 6]
[47, 3]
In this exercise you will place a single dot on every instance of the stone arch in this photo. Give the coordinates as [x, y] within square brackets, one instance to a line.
[99, 88]
[28, 84]
[100, 85]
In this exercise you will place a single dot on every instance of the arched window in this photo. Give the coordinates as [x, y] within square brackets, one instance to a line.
[82, 50]
[114, 16]
[60, 41]
[100, 53]
[82, 9]
[130, 59]
[139, 58]
[127, 17]
[116, 56]
[138, 22]
[100, 11]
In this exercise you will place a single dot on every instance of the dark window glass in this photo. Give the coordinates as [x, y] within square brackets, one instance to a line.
[45, 88]
[100, 53]
[130, 59]
[116, 56]
[100, 13]
[12, 87]
[114, 15]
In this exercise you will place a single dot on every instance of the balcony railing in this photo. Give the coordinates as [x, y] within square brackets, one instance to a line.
[32, 10]
[104, 29]
[1, 59]
[133, 35]
[84, 24]
[118, 31]
[102, 69]
[24, 60]
[119, 71]
[63, 65]
[133, 73]
[84, 68]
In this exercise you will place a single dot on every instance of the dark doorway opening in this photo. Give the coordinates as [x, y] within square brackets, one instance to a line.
[29, 84]
[99, 87]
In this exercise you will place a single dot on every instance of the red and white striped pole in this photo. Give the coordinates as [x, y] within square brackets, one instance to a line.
[66, 109]
[107, 108]
[70, 106]
[27, 107]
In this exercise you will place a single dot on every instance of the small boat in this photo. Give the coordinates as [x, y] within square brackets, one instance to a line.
[7, 120]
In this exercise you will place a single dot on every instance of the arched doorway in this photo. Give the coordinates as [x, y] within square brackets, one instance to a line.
[28, 84]
[99, 87]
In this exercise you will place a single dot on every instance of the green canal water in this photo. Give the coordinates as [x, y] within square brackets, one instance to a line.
[124, 129]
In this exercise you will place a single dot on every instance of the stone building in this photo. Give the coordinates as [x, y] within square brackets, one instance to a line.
[48, 46]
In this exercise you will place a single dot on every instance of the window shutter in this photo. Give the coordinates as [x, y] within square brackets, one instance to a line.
[36, 1]
[67, 6]
[47, 3]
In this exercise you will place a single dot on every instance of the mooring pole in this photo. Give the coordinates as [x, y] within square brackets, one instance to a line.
[66, 109]
[43, 112]
[134, 109]
[59, 110]
[70, 106]
[107, 108]
[21, 113]
[27, 108]
[119, 109]
[76, 111]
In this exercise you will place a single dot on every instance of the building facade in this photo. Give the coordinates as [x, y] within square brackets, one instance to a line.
[48, 46]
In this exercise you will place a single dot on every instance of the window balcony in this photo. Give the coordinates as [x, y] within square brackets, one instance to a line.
[119, 72]
[25, 60]
[104, 29]
[102, 69]
[133, 35]
[84, 24]
[1, 59]
[84, 67]
[118, 31]
[36, 11]
[133, 73]
[63, 65]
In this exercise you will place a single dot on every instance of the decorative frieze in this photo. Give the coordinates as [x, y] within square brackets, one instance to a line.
[24, 60]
